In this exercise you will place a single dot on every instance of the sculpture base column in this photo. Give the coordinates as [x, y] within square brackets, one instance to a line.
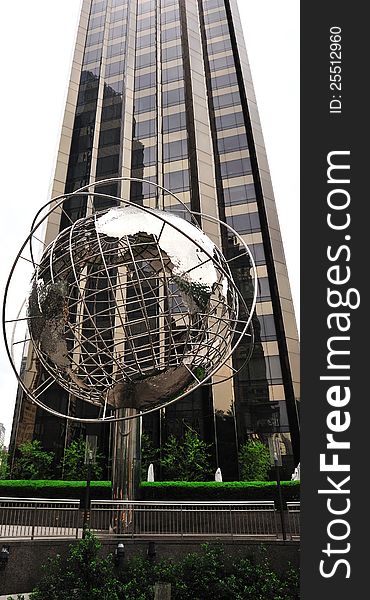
[126, 468]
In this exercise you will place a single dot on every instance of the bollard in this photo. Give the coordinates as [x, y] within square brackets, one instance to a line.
[162, 591]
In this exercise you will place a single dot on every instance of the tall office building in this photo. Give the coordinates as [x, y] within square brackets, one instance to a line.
[162, 90]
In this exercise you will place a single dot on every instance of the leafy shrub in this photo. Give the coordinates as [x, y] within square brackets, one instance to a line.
[254, 459]
[73, 464]
[206, 575]
[83, 575]
[32, 462]
[214, 490]
[186, 459]
[4, 467]
[54, 489]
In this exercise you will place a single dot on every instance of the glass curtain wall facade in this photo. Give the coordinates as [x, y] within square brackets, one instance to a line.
[162, 90]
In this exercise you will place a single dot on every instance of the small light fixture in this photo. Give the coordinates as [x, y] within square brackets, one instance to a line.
[119, 555]
[4, 557]
[151, 552]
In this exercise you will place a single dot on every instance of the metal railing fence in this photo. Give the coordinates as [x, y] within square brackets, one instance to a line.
[294, 526]
[192, 519]
[38, 518]
[45, 518]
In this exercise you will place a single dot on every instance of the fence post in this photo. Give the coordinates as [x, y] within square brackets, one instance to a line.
[162, 591]
[34, 520]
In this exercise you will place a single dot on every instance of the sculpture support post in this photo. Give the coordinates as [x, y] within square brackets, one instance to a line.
[126, 472]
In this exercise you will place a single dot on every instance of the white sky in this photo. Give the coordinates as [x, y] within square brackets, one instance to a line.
[36, 46]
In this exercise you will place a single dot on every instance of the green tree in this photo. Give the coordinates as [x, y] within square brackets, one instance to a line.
[82, 574]
[186, 459]
[33, 462]
[254, 460]
[149, 454]
[73, 464]
[4, 467]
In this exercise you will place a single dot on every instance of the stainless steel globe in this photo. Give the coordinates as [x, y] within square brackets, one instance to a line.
[131, 307]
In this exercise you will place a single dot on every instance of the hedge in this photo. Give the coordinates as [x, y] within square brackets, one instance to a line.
[157, 490]
[34, 488]
[214, 490]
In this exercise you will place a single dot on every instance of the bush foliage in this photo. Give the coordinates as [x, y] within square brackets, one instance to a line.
[33, 462]
[54, 489]
[254, 459]
[213, 490]
[207, 575]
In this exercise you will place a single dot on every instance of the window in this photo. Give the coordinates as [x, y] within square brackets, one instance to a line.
[119, 15]
[222, 63]
[145, 128]
[172, 74]
[143, 82]
[110, 137]
[224, 80]
[229, 121]
[141, 190]
[145, 23]
[268, 331]
[171, 53]
[232, 143]
[87, 93]
[171, 34]
[247, 223]
[144, 7]
[146, 60]
[107, 165]
[93, 56]
[208, 4]
[173, 97]
[116, 49]
[239, 194]
[94, 38]
[273, 368]
[174, 122]
[258, 253]
[145, 104]
[117, 31]
[175, 150]
[220, 46]
[215, 17]
[98, 6]
[263, 289]
[213, 32]
[144, 157]
[145, 41]
[235, 168]
[170, 16]
[96, 22]
[232, 99]
[114, 68]
[177, 181]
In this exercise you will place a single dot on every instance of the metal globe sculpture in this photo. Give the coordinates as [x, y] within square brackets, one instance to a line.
[131, 308]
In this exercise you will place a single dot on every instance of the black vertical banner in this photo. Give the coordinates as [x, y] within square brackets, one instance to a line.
[335, 176]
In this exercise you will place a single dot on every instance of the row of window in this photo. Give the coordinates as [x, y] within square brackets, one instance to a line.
[146, 156]
[229, 121]
[236, 168]
[232, 143]
[148, 128]
[239, 194]
[245, 223]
